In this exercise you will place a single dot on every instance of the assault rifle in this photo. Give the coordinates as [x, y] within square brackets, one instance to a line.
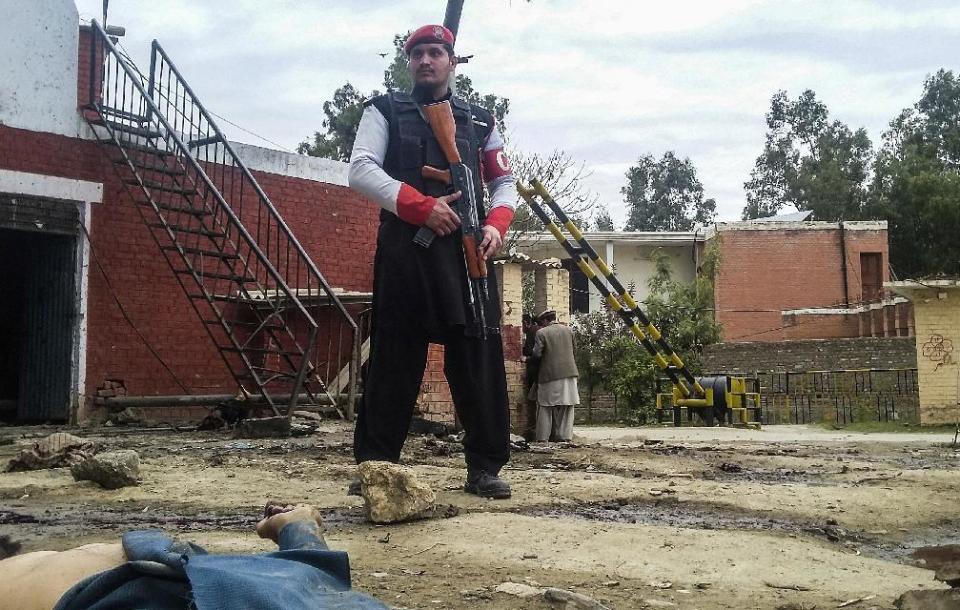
[458, 178]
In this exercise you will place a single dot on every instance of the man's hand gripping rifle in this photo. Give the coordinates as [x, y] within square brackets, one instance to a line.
[458, 178]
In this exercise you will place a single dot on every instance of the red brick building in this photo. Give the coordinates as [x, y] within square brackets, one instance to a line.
[805, 280]
[93, 309]
[90, 304]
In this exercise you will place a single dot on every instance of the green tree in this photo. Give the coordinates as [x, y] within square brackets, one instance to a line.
[602, 220]
[609, 356]
[343, 112]
[665, 195]
[684, 312]
[809, 162]
[916, 185]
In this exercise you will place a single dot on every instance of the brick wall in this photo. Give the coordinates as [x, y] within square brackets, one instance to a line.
[336, 227]
[938, 354]
[887, 319]
[810, 355]
[552, 291]
[820, 326]
[434, 401]
[764, 272]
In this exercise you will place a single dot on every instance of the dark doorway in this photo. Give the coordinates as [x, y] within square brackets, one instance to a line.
[37, 315]
[579, 287]
[871, 276]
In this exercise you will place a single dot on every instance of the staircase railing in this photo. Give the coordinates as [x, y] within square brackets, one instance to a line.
[245, 273]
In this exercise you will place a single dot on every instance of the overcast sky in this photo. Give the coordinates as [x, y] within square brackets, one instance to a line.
[605, 81]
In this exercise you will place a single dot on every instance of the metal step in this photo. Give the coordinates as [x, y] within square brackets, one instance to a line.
[142, 132]
[192, 230]
[152, 167]
[236, 279]
[202, 252]
[220, 298]
[214, 139]
[244, 324]
[265, 372]
[156, 186]
[140, 148]
[262, 350]
[172, 208]
[121, 114]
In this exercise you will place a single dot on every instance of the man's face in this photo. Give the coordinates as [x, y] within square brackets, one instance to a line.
[430, 65]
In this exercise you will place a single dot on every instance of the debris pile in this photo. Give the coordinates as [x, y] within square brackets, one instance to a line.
[58, 450]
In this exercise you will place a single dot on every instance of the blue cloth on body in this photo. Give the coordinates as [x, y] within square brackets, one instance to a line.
[164, 574]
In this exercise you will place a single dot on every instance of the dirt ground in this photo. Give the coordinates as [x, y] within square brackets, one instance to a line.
[787, 517]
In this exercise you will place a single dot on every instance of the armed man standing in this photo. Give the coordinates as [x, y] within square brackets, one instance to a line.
[424, 295]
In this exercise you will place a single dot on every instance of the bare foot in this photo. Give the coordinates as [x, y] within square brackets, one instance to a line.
[276, 515]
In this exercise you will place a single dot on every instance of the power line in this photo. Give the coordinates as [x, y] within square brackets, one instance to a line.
[123, 311]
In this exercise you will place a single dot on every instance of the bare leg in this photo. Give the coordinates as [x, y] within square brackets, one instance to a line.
[292, 527]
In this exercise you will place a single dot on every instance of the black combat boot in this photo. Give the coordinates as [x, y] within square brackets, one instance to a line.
[486, 485]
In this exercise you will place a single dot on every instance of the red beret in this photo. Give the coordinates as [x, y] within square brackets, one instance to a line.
[435, 34]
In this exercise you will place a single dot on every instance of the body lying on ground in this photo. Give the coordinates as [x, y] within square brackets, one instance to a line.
[150, 570]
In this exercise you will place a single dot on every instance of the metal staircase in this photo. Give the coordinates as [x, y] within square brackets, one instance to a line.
[242, 269]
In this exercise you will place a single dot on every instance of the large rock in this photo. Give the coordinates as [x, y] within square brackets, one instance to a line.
[112, 469]
[392, 493]
[944, 559]
[933, 599]
[518, 589]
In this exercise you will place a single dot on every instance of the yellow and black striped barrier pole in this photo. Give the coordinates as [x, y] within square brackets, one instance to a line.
[619, 299]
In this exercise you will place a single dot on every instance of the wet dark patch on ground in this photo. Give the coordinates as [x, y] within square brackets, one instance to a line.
[691, 515]
[731, 471]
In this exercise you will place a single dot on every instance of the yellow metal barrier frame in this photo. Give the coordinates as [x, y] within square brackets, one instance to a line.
[620, 300]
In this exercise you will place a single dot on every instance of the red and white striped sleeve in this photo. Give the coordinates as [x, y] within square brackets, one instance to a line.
[366, 173]
[498, 176]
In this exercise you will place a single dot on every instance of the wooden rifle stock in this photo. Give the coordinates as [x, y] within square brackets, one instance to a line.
[440, 117]
[440, 175]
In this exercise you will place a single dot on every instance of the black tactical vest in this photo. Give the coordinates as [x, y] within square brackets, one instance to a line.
[413, 285]
[412, 145]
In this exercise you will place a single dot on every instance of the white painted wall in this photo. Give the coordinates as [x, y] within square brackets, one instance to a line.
[38, 65]
[291, 164]
[630, 260]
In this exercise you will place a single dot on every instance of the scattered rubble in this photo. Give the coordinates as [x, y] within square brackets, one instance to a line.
[110, 470]
[518, 443]
[419, 425]
[58, 450]
[658, 603]
[263, 427]
[126, 417]
[935, 599]
[518, 589]
[572, 600]
[392, 493]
